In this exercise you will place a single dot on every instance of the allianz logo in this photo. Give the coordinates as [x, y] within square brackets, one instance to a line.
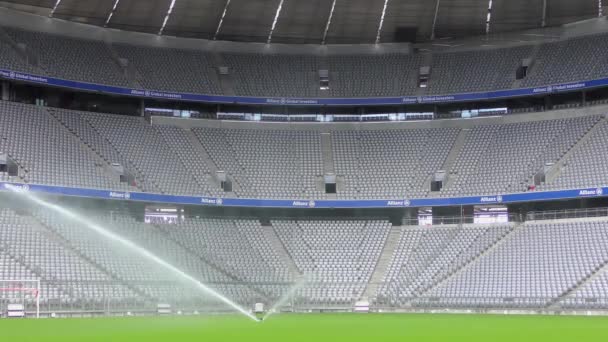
[115, 194]
[491, 199]
[591, 192]
[18, 187]
[400, 203]
[310, 204]
[216, 201]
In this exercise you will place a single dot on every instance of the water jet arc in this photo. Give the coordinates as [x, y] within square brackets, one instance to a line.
[129, 244]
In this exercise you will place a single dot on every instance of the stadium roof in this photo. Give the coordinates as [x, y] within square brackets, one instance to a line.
[315, 21]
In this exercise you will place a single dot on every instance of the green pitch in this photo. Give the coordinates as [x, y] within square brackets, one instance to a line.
[312, 328]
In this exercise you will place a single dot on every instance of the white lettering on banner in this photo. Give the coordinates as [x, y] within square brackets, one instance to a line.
[122, 195]
[165, 95]
[491, 199]
[309, 204]
[437, 98]
[591, 192]
[214, 201]
[400, 203]
[20, 187]
[284, 101]
[540, 90]
[149, 93]
[31, 78]
[299, 204]
[569, 86]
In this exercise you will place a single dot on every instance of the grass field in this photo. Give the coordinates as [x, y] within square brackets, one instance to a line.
[313, 328]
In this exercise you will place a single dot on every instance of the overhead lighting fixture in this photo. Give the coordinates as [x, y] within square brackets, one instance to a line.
[111, 13]
[435, 19]
[331, 14]
[54, 8]
[381, 22]
[162, 28]
[274, 22]
[489, 17]
[219, 25]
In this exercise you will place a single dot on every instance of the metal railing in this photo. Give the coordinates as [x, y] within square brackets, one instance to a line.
[127, 307]
[566, 214]
[470, 219]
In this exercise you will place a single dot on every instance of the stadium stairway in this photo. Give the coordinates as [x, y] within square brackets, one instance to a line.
[44, 278]
[226, 82]
[150, 185]
[277, 245]
[328, 154]
[554, 172]
[240, 181]
[100, 162]
[599, 270]
[52, 234]
[427, 60]
[518, 83]
[212, 180]
[422, 266]
[499, 242]
[96, 152]
[22, 171]
[29, 56]
[230, 274]
[452, 156]
[211, 164]
[19, 260]
[383, 264]
[129, 72]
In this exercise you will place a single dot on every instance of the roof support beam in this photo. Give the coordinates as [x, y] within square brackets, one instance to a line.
[435, 19]
[381, 23]
[600, 8]
[54, 8]
[331, 14]
[274, 21]
[111, 13]
[162, 28]
[219, 24]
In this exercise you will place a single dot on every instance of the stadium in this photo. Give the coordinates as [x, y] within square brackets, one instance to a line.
[283, 170]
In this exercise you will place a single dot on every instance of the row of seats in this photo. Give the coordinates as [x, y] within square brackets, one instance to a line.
[393, 74]
[541, 261]
[512, 265]
[78, 149]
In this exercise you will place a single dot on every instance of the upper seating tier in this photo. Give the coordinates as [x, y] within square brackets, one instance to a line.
[297, 75]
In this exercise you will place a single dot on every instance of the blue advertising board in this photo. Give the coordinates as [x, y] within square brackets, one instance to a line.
[287, 101]
[532, 196]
